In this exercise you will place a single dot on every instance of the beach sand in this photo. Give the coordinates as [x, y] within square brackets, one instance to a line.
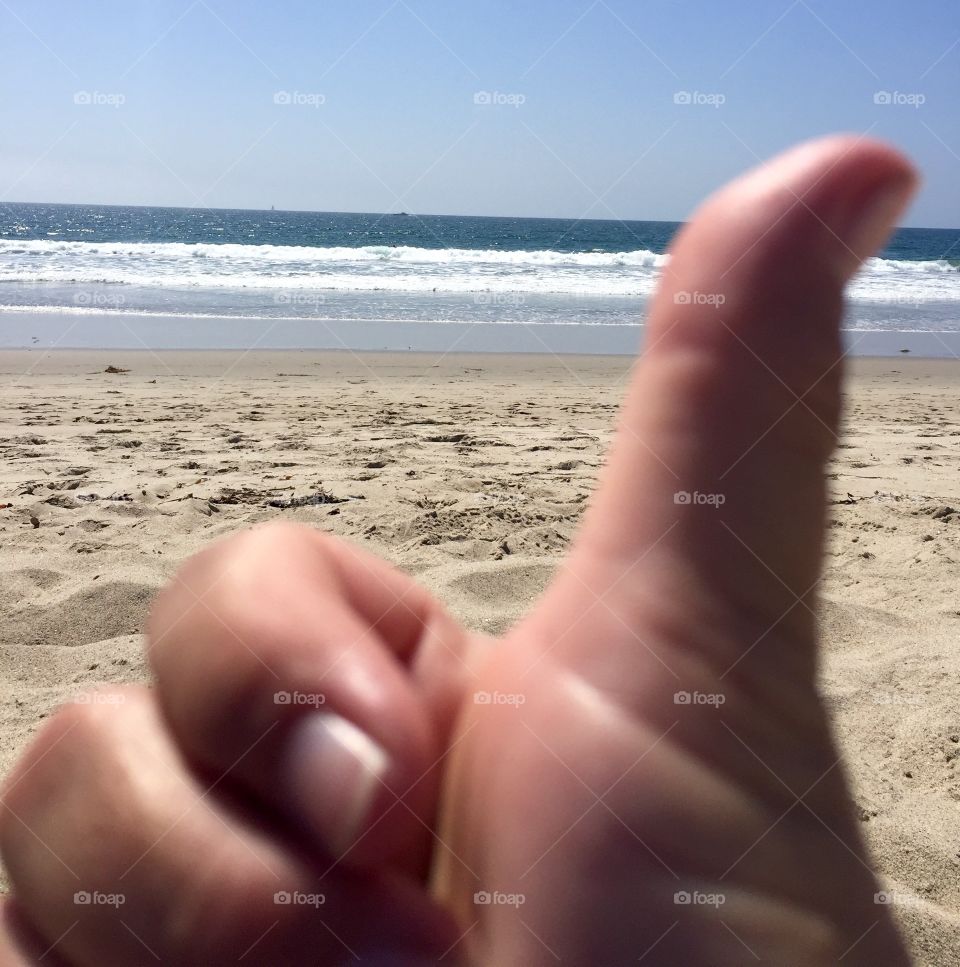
[470, 471]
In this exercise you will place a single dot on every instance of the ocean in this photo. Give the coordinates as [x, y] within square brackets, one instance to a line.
[161, 277]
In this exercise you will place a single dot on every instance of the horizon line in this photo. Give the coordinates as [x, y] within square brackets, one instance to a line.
[401, 214]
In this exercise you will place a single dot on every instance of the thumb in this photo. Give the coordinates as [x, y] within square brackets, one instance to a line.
[715, 479]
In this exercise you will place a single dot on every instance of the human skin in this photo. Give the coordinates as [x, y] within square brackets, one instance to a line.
[548, 797]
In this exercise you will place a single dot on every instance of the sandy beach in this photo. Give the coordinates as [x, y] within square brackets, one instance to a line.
[471, 472]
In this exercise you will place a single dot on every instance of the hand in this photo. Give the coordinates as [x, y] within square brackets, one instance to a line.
[641, 771]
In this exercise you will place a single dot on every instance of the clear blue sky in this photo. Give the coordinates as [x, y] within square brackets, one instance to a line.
[598, 133]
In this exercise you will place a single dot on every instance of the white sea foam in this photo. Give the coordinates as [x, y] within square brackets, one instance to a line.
[401, 269]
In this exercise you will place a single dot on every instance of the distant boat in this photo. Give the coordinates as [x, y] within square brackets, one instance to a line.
[403, 214]
[272, 208]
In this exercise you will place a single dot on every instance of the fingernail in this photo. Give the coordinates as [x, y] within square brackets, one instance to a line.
[334, 772]
[871, 218]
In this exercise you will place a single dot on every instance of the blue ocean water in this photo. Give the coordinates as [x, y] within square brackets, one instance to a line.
[183, 263]
[100, 223]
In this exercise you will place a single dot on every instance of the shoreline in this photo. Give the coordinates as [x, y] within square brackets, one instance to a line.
[127, 331]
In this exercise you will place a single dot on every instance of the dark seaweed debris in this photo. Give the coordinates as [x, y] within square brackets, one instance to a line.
[238, 495]
[310, 500]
